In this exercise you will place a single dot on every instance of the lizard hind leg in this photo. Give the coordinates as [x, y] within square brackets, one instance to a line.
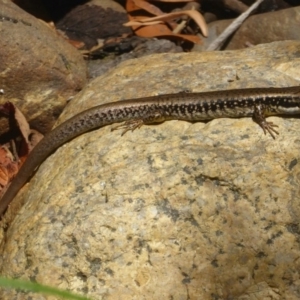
[260, 119]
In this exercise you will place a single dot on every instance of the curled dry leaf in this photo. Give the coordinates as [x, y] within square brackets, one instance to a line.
[164, 24]
[195, 15]
[11, 160]
[31, 137]
[145, 5]
[22, 123]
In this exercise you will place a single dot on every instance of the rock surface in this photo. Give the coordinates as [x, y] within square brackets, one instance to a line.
[170, 211]
[93, 21]
[39, 70]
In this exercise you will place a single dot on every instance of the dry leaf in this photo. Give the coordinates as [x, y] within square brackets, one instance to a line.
[8, 168]
[163, 24]
[11, 160]
[22, 123]
[145, 5]
[195, 15]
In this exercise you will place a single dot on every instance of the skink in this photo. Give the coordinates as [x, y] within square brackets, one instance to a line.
[257, 103]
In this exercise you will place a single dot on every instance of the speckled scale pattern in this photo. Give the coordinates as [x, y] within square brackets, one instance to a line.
[181, 106]
[185, 106]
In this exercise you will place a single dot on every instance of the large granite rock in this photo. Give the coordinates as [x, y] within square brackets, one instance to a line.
[170, 211]
[39, 70]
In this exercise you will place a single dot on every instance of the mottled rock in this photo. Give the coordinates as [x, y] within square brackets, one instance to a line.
[170, 211]
[93, 21]
[39, 70]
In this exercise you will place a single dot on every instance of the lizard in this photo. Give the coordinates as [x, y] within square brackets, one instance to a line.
[257, 103]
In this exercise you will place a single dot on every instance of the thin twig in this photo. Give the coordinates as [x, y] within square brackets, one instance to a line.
[219, 41]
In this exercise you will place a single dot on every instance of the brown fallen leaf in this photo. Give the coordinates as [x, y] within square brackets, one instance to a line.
[195, 15]
[8, 167]
[14, 152]
[147, 6]
[162, 24]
